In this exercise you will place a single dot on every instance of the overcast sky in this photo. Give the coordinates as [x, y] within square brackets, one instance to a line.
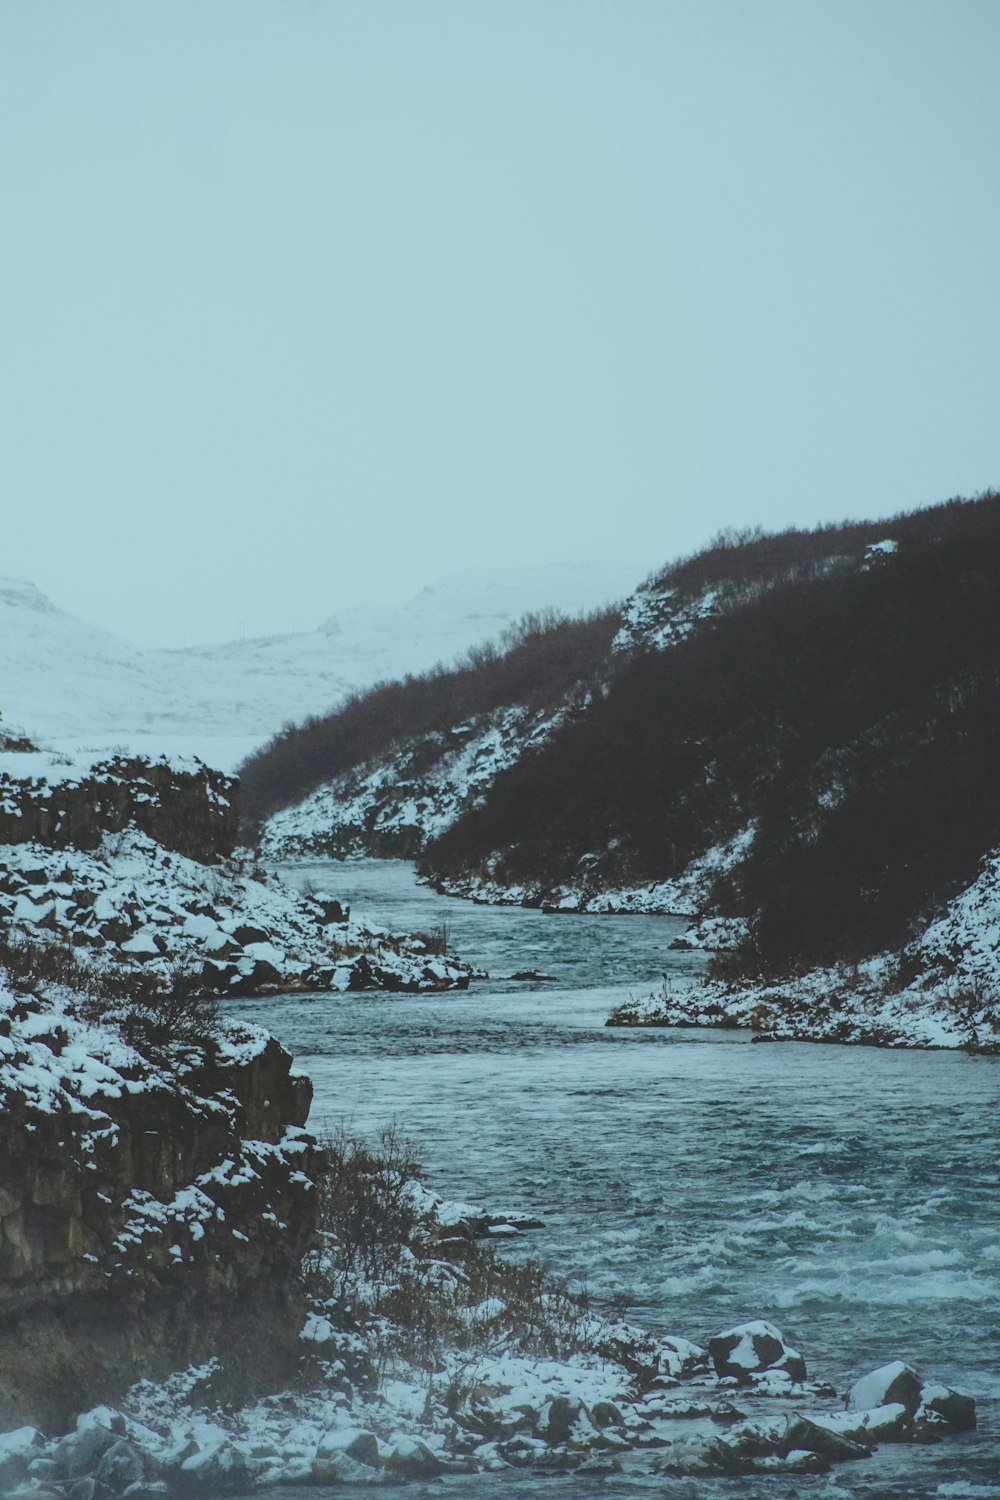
[304, 302]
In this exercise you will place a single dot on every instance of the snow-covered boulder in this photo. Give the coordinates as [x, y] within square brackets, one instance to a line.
[344, 1453]
[889, 1384]
[219, 1468]
[17, 1450]
[751, 1349]
[927, 1403]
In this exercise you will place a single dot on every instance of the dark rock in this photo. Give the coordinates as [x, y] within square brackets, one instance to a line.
[752, 1348]
[954, 1410]
[560, 1419]
[886, 1386]
[713, 1457]
[83, 1450]
[606, 1414]
[89, 1488]
[40, 1469]
[412, 1459]
[810, 1437]
[358, 1445]
[331, 911]
[121, 1466]
[725, 1414]
[248, 934]
[216, 1470]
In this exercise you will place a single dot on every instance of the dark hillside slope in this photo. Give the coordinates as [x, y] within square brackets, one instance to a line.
[539, 662]
[853, 714]
[536, 663]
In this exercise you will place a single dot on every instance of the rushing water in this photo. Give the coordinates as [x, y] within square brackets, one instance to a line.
[847, 1194]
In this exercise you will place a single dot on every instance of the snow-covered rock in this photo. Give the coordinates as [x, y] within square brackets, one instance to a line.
[928, 1403]
[229, 928]
[752, 1349]
[135, 1179]
[580, 1414]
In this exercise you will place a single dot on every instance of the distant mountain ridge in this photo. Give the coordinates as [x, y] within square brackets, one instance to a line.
[66, 680]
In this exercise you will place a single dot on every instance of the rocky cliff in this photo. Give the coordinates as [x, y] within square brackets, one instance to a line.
[181, 804]
[154, 1207]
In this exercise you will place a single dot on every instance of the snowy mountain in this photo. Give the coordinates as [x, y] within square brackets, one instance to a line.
[68, 682]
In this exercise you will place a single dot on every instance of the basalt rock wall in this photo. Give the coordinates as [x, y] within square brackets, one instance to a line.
[151, 1215]
[189, 810]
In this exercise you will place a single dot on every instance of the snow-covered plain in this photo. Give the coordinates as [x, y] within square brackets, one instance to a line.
[69, 683]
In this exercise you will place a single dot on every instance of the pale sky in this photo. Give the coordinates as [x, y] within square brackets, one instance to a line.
[303, 303]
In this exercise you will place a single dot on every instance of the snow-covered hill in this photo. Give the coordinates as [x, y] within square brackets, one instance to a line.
[70, 683]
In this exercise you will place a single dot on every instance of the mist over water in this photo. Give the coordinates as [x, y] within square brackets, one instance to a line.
[848, 1194]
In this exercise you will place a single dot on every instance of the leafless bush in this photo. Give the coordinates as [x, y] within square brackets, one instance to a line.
[382, 1266]
[149, 1008]
[436, 940]
[366, 1212]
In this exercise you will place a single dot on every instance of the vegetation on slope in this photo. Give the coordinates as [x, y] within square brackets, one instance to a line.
[839, 689]
[852, 713]
[536, 662]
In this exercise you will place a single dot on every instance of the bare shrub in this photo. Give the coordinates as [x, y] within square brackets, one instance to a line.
[366, 1211]
[436, 941]
[148, 1008]
[421, 1299]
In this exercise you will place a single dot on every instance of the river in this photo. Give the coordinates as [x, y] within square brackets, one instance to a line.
[848, 1194]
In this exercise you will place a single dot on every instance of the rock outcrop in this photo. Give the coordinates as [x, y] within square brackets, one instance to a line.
[154, 1207]
[129, 865]
[182, 804]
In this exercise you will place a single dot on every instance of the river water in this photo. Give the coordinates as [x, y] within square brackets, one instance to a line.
[694, 1179]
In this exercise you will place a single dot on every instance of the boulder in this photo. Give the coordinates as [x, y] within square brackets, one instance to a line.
[606, 1414]
[121, 1465]
[358, 1445]
[804, 1435]
[751, 1348]
[17, 1450]
[929, 1404]
[564, 1421]
[82, 1451]
[941, 1406]
[883, 1424]
[885, 1386]
[88, 1488]
[412, 1459]
[725, 1414]
[217, 1469]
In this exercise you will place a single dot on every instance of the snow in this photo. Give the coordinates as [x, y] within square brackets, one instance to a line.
[870, 1391]
[845, 1003]
[131, 898]
[683, 896]
[420, 789]
[78, 688]
[655, 617]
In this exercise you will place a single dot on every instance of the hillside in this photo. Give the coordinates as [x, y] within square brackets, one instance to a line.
[69, 682]
[799, 732]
